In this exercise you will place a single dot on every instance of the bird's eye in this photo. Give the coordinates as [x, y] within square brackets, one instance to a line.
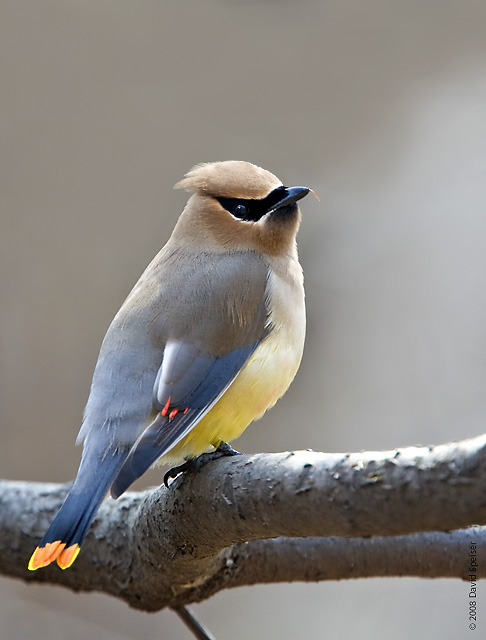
[240, 211]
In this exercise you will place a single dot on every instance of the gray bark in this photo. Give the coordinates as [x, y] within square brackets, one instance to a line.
[264, 518]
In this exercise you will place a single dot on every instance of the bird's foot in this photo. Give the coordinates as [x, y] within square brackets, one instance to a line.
[224, 449]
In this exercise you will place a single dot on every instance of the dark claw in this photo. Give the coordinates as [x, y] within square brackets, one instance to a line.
[182, 468]
[224, 449]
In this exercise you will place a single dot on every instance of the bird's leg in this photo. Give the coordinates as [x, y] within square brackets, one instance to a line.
[223, 449]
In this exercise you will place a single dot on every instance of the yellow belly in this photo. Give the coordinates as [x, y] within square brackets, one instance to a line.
[258, 386]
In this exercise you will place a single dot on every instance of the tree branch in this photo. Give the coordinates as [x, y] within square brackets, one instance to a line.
[267, 518]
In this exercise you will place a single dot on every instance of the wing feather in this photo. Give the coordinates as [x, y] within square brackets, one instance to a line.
[188, 384]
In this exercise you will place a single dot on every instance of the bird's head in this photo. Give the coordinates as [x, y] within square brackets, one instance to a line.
[237, 205]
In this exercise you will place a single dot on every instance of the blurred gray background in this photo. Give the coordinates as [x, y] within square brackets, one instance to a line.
[380, 106]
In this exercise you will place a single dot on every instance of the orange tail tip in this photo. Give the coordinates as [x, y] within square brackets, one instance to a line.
[43, 556]
[68, 556]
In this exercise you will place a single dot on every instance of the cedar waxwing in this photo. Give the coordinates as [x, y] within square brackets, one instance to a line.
[210, 337]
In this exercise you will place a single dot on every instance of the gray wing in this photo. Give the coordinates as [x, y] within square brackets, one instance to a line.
[188, 384]
[184, 333]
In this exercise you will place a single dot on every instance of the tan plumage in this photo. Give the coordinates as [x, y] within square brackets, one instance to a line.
[231, 179]
[209, 339]
[203, 221]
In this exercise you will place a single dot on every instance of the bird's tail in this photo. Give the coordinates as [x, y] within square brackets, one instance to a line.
[63, 539]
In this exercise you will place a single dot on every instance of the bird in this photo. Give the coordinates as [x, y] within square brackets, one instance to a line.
[210, 337]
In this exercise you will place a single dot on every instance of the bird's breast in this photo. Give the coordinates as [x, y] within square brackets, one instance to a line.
[264, 378]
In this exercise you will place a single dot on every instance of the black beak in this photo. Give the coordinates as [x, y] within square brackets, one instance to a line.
[292, 195]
